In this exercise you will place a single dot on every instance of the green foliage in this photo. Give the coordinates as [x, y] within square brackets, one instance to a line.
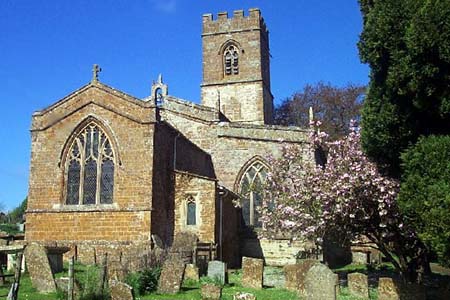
[144, 282]
[16, 215]
[211, 280]
[90, 282]
[425, 192]
[9, 228]
[407, 46]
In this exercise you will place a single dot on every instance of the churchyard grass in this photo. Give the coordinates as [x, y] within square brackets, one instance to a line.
[26, 291]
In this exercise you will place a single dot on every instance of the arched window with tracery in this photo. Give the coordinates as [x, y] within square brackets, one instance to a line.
[251, 190]
[90, 168]
[231, 60]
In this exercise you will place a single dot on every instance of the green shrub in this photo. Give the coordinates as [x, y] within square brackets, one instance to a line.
[144, 282]
[90, 284]
[425, 192]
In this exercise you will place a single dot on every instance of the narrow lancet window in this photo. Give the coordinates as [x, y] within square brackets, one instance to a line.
[90, 168]
[191, 211]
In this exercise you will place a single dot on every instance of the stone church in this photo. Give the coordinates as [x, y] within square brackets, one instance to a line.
[109, 170]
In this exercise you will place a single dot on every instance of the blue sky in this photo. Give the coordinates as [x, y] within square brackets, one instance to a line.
[47, 49]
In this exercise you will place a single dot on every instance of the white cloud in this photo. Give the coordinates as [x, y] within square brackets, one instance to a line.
[165, 6]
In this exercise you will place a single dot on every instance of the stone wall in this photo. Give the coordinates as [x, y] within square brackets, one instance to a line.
[244, 96]
[203, 190]
[128, 218]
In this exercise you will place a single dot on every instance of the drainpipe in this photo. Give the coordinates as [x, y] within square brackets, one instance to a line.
[222, 193]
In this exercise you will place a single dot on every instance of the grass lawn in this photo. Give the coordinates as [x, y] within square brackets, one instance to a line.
[26, 291]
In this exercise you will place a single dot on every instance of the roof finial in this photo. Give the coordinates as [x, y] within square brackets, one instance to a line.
[95, 70]
[160, 78]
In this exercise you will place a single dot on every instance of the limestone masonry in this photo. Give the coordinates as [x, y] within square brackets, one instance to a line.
[109, 170]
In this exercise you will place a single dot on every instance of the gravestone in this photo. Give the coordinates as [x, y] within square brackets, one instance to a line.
[39, 268]
[244, 296]
[218, 270]
[211, 292]
[391, 289]
[320, 283]
[295, 275]
[358, 285]
[171, 276]
[252, 272]
[120, 291]
[115, 269]
[183, 245]
[191, 273]
[274, 277]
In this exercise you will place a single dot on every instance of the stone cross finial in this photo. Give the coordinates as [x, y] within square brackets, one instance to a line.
[95, 70]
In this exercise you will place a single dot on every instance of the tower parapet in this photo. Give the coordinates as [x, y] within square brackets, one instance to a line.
[236, 22]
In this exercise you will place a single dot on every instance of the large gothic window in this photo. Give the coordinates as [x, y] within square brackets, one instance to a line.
[231, 60]
[90, 168]
[251, 190]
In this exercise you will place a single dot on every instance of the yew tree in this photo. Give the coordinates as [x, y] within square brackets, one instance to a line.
[406, 43]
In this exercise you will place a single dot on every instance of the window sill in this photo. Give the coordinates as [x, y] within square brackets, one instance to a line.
[86, 207]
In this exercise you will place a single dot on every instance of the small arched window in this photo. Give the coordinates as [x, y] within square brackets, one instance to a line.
[90, 168]
[191, 218]
[251, 189]
[231, 60]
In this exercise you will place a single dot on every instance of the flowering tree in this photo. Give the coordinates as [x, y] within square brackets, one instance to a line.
[348, 195]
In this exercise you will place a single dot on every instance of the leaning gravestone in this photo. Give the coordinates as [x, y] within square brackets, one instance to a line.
[252, 272]
[120, 291]
[39, 268]
[171, 276]
[320, 283]
[218, 270]
[358, 285]
[295, 275]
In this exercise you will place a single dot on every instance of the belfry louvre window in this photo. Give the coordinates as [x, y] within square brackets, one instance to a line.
[231, 60]
[90, 168]
[251, 190]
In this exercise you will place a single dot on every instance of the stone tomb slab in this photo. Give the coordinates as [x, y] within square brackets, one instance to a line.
[39, 268]
[320, 283]
[358, 285]
[120, 291]
[295, 275]
[252, 272]
[171, 276]
[218, 270]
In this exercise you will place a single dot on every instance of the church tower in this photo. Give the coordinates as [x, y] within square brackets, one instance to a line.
[236, 66]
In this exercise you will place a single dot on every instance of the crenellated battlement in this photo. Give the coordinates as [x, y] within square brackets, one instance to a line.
[223, 23]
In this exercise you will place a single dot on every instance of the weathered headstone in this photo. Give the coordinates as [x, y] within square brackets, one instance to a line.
[39, 268]
[183, 245]
[191, 273]
[295, 275]
[358, 285]
[218, 270]
[274, 277]
[120, 291]
[320, 283]
[115, 269]
[171, 276]
[211, 292]
[252, 272]
[391, 289]
[244, 296]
